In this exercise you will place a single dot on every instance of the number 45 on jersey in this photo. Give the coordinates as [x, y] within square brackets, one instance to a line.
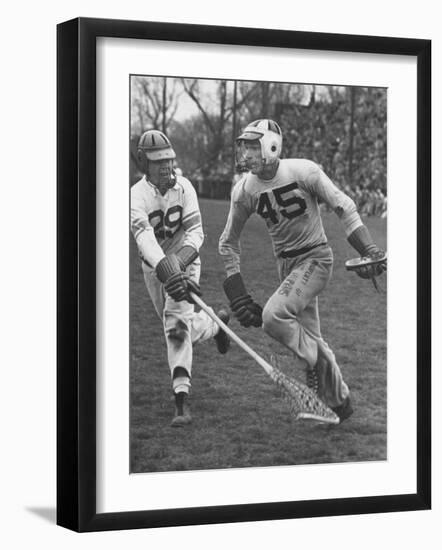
[291, 205]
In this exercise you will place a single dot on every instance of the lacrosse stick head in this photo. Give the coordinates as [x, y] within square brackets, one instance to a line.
[358, 264]
[369, 267]
[303, 402]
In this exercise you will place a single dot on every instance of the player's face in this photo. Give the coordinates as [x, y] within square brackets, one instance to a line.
[161, 174]
[251, 153]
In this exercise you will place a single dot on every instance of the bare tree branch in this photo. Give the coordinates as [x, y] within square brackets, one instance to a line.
[191, 92]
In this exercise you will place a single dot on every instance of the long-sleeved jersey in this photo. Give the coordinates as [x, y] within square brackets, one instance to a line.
[289, 204]
[163, 224]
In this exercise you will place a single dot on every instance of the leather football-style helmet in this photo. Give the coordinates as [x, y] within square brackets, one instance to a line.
[269, 135]
[153, 146]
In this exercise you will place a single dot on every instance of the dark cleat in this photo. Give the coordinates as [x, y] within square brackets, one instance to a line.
[344, 410]
[221, 338]
[182, 413]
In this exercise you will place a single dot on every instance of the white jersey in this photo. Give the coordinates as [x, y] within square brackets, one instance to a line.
[289, 204]
[164, 224]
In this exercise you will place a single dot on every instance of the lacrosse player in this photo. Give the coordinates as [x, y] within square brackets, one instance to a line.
[286, 194]
[166, 225]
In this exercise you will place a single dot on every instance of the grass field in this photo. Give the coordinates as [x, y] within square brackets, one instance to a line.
[239, 418]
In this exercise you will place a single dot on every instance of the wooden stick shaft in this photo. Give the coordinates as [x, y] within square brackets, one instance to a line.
[262, 362]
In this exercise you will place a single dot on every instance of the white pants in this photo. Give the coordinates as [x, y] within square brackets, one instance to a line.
[182, 326]
[291, 316]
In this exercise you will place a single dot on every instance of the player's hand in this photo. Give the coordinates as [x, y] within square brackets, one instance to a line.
[179, 286]
[248, 312]
[176, 283]
[379, 265]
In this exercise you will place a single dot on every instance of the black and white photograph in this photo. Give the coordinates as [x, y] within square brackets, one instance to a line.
[258, 273]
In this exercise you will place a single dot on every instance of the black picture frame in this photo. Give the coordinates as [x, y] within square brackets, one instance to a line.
[76, 274]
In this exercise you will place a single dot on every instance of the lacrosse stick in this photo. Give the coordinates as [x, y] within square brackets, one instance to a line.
[303, 402]
[366, 267]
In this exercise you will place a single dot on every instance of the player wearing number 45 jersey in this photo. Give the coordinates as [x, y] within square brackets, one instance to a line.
[286, 193]
[166, 224]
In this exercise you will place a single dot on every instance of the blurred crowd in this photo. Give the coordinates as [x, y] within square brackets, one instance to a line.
[369, 202]
[342, 129]
[350, 145]
[357, 164]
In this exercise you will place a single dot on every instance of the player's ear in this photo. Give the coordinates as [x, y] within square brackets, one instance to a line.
[142, 161]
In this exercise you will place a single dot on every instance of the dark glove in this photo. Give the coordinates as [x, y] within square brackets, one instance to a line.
[248, 312]
[179, 286]
[186, 255]
[176, 283]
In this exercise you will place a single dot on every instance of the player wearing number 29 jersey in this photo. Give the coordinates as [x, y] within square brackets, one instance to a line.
[287, 195]
[163, 224]
[166, 225]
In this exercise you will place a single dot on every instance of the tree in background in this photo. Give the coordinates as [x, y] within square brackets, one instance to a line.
[341, 128]
[154, 103]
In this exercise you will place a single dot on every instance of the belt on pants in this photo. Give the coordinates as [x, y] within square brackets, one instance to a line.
[300, 251]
